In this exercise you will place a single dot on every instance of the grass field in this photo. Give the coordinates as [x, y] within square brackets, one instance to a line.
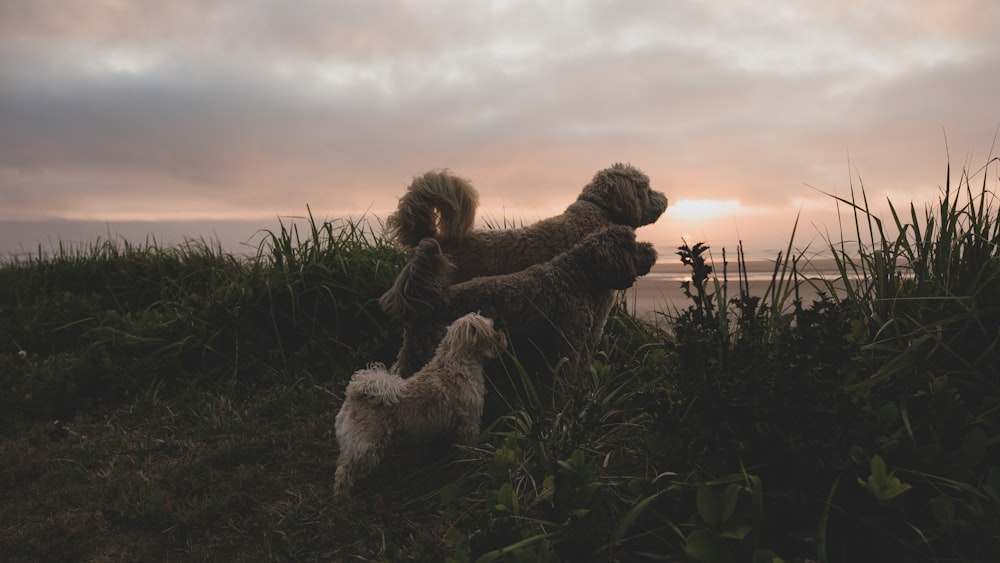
[174, 404]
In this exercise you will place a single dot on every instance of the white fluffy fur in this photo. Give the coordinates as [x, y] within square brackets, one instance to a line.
[442, 400]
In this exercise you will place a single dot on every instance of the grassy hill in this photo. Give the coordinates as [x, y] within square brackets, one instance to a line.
[178, 404]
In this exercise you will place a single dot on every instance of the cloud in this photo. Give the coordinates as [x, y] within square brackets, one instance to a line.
[256, 108]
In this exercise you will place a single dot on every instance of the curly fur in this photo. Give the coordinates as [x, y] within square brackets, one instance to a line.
[444, 399]
[550, 310]
[441, 205]
[437, 203]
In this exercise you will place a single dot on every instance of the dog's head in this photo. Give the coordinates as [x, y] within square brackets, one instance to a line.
[616, 258]
[624, 193]
[420, 288]
[475, 333]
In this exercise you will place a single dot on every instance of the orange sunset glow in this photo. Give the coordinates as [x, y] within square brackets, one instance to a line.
[186, 119]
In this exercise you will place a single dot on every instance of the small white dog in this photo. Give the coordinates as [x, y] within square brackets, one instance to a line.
[442, 400]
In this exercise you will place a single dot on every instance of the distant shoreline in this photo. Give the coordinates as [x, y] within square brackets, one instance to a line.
[239, 237]
[660, 290]
[759, 269]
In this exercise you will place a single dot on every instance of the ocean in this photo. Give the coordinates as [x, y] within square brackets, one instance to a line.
[659, 292]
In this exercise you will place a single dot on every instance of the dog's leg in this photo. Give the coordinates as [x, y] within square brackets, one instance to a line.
[361, 447]
[343, 481]
[468, 421]
[363, 458]
[595, 333]
[468, 429]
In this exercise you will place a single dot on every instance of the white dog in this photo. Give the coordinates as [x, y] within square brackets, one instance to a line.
[442, 400]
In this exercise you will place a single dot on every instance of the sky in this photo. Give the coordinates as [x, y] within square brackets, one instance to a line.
[209, 118]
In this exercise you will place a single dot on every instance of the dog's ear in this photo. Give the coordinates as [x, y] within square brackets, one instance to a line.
[620, 189]
[619, 258]
[645, 258]
[639, 260]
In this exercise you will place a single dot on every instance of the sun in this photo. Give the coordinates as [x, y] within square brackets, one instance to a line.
[703, 209]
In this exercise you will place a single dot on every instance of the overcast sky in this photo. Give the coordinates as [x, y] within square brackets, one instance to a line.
[119, 110]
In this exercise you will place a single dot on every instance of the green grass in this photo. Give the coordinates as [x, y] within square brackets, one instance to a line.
[178, 404]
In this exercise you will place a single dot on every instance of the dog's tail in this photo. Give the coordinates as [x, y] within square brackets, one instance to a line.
[376, 385]
[437, 204]
[420, 288]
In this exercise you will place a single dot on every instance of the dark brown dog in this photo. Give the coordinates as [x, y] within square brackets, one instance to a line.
[442, 206]
[553, 310]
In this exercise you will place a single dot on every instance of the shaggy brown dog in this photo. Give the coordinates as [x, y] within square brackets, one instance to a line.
[442, 205]
[444, 399]
[550, 310]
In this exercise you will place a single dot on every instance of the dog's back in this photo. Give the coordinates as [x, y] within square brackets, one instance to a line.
[493, 252]
[376, 385]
